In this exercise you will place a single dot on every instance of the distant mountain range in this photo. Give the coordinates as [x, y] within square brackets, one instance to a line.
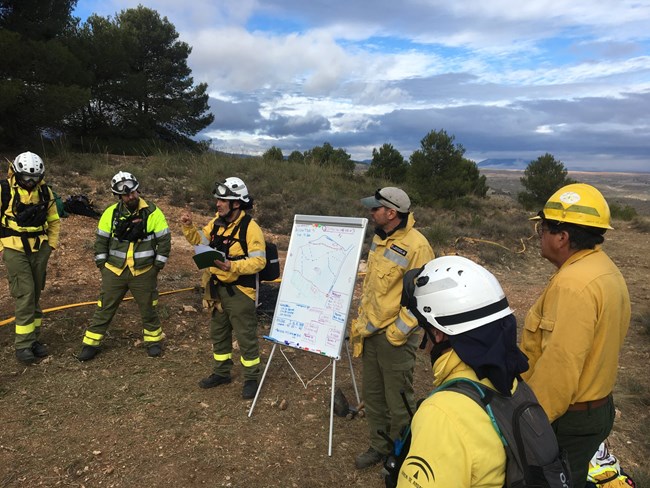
[503, 163]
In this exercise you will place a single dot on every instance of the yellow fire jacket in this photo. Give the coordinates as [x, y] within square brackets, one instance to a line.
[453, 441]
[388, 260]
[250, 265]
[574, 332]
[50, 229]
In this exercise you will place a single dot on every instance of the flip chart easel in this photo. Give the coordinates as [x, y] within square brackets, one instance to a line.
[316, 292]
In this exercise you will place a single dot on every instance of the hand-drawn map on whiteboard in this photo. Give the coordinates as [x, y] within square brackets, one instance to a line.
[317, 283]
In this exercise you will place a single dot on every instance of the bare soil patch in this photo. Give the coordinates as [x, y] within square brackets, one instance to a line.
[126, 420]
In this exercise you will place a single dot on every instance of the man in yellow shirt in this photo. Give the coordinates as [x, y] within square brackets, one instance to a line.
[574, 332]
[29, 232]
[384, 333]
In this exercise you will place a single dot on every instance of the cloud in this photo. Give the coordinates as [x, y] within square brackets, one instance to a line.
[506, 79]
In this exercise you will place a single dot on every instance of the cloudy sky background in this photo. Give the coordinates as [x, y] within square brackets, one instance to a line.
[508, 79]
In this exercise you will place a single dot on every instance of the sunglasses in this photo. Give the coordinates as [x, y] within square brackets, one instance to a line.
[380, 197]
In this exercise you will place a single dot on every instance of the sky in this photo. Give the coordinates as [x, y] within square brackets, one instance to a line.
[508, 79]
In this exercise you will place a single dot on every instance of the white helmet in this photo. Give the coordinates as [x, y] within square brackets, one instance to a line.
[124, 183]
[231, 189]
[454, 295]
[29, 165]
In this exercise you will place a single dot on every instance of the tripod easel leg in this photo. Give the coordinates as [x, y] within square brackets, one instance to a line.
[259, 389]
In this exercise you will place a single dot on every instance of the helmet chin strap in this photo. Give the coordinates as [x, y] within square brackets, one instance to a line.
[231, 212]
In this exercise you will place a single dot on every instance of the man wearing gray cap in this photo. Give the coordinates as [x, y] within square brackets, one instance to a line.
[384, 332]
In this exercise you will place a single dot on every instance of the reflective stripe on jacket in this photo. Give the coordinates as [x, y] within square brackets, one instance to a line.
[574, 332]
[250, 265]
[453, 441]
[153, 249]
[388, 260]
[50, 229]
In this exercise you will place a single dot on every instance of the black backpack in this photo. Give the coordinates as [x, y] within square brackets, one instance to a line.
[533, 458]
[271, 270]
[41, 208]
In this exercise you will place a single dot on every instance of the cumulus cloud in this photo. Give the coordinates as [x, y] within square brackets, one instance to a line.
[506, 79]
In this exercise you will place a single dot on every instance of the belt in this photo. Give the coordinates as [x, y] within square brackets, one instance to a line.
[581, 406]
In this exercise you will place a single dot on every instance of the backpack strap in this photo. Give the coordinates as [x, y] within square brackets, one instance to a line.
[478, 392]
[6, 196]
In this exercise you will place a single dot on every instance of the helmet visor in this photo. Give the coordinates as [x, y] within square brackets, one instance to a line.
[30, 177]
[125, 187]
[222, 191]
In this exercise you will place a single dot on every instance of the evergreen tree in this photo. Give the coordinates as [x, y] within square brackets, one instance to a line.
[41, 81]
[296, 157]
[273, 154]
[388, 163]
[142, 86]
[326, 155]
[439, 171]
[542, 177]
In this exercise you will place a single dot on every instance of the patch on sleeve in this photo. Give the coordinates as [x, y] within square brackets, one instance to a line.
[398, 249]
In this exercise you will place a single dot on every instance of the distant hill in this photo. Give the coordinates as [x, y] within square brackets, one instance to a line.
[503, 163]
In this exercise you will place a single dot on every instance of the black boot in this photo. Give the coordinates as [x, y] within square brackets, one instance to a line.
[154, 351]
[25, 356]
[214, 380]
[39, 350]
[249, 390]
[87, 353]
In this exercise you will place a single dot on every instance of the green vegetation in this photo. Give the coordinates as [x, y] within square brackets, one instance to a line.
[388, 163]
[273, 154]
[283, 188]
[117, 82]
[542, 178]
[620, 212]
[438, 170]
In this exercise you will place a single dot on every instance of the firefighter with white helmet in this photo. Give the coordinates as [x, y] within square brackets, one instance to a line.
[471, 334]
[29, 232]
[574, 332]
[132, 245]
[231, 284]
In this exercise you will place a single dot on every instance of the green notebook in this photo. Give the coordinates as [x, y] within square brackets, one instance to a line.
[206, 258]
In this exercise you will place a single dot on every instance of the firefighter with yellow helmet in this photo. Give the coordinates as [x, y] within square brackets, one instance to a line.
[574, 332]
[132, 245]
[29, 232]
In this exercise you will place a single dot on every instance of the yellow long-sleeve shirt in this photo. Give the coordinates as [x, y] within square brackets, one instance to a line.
[380, 310]
[250, 265]
[574, 332]
[453, 441]
[52, 225]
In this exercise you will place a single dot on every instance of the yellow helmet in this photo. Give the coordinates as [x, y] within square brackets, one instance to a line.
[578, 204]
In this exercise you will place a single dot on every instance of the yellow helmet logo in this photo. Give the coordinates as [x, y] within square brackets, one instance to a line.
[579, 204]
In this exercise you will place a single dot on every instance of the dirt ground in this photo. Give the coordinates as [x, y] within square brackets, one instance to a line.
[127, 420]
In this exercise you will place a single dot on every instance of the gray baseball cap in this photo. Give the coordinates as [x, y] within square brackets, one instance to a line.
[389, 197]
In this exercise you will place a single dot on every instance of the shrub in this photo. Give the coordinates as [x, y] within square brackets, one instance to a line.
[619, 212]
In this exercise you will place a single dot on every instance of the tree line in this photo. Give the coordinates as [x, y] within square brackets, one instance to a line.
[437, 171]
[112, 78]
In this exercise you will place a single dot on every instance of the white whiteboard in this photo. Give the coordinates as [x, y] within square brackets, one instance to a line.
[318, 283]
